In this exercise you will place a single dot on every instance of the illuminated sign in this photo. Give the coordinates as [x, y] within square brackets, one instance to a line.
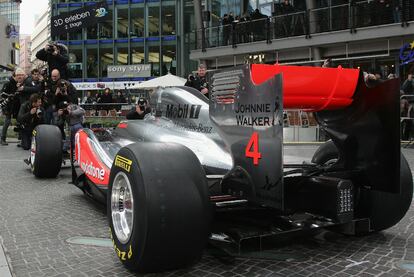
[407, 53]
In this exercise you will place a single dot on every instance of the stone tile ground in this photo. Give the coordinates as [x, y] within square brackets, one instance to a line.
[38, 216]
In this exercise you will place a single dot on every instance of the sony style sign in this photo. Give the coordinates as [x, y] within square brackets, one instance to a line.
[78, 19]
[129, 71]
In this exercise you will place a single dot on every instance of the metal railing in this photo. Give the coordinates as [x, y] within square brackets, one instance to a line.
[356, 14]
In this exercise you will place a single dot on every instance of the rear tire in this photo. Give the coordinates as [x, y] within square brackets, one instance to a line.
[158, 207]
[382, 208]
[46, 151]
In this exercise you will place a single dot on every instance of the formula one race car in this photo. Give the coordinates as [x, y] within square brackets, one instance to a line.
[199, 170]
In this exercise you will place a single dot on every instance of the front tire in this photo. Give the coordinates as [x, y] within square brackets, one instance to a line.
[384, 209]
[46, 151]
[158, 207]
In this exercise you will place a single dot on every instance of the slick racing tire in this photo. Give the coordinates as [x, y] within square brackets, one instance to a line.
[382, 208]
[46, 151]
[158, 207]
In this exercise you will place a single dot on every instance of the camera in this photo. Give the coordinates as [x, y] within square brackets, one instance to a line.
[191, 77]
[141, 103]
[51, 48]
[62, 85]
[39, 112]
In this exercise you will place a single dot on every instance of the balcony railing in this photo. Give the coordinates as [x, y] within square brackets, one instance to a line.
[356, 14]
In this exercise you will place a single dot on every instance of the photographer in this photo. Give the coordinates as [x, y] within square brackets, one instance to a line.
[199, 82]
[140, 110]
[30, 115]
[9, 103]
[56, 56]
[71, 114]
[29, 86]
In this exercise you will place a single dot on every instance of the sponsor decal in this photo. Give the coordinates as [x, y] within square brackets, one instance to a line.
[121, 254]
[183, 111]
[407, 53]
[255, 114]
[93, 171]
[123, 163]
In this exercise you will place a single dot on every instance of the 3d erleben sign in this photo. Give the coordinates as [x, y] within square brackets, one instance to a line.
[78, 19]
[129, 71]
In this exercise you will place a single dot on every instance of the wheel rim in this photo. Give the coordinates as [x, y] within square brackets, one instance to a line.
[33, 151]
[122, 207]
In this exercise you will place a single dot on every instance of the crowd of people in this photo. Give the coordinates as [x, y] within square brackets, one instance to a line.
[291, 18]
[45, 97]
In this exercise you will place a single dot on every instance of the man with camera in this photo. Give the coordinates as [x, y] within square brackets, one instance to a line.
[9, 102]
[199, 82]
[30, 115]
[140, 110]
[71, 114]
[56, 56]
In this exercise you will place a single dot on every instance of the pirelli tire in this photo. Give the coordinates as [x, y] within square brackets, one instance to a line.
[158, 207]
[46, 151]
[383, 209]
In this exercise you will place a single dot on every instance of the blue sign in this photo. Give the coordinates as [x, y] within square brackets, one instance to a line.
[407, 53]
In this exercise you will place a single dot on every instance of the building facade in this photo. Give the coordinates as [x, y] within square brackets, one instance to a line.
[25, 53]
[135, 32]
[11, 10]
[40, 37]
[370, 35]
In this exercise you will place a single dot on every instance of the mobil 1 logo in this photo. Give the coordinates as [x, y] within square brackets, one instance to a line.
[183, 111]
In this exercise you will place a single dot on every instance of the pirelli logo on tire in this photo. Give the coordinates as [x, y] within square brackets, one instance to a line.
[123, 163]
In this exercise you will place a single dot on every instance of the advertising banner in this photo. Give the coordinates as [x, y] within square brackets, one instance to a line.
[78, 19]
[129, 71]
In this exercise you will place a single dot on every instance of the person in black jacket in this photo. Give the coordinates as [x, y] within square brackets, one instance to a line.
[30, 85]
[56, 56]
[199, 82]
[140, 110]
[10, 101]
[30, 115]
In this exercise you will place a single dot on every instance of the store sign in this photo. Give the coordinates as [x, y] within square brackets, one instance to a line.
[11, 31]
[103, 85]
[407, 53]
[78, 19]
[129, 71]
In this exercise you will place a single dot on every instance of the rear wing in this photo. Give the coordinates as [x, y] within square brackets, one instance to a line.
[246, 107]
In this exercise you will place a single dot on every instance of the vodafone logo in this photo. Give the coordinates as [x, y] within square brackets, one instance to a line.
[93, 171]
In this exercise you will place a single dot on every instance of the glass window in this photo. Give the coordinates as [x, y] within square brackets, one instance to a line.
[137, 22]
[169, 61]
[106, 58]
[122, 55]
[123, 26]
[154, 60]
[92, 32]
[138, 55]
[92, 63]
[105, 28]
[168, 20]
[75, 63]
[153, 21]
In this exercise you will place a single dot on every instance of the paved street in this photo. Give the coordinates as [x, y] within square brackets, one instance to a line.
[38, 216]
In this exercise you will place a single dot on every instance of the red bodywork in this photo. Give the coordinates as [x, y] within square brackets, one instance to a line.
[311, 88]
[89, 161]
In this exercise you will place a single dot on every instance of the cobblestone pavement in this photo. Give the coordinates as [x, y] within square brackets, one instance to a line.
[38, 216]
